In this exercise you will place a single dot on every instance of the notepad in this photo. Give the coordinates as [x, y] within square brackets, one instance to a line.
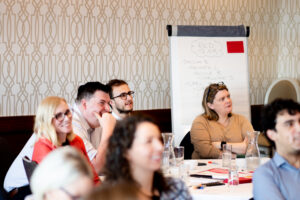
[221, 173]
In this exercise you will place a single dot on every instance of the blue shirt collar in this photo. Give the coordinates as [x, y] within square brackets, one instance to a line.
[279, 160]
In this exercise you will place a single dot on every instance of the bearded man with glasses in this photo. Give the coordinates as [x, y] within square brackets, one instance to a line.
[121, 98]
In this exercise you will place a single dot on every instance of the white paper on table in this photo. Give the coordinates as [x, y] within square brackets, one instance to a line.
[221, 173]
[193, 181]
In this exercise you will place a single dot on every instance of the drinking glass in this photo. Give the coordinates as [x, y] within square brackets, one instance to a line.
[184, 172]
[165, 162]
[179, 155]
[233, 176]
[226, 155]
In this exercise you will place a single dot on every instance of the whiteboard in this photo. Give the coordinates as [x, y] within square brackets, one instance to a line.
[197, 62]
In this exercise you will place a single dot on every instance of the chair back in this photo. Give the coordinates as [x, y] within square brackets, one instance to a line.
[3, 194]
[29, 166]
[188, 146]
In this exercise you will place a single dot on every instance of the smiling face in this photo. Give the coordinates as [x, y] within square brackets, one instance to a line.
[287, 133]
[119, 105]
[145, 153]
[62, 124]
[222, 103]
[98, 103]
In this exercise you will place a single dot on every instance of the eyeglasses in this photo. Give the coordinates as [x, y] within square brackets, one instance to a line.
[124, 95]
[61, 116]
[216, 86]
[73, 197]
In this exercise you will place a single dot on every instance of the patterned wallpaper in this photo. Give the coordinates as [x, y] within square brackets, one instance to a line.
[49, 47]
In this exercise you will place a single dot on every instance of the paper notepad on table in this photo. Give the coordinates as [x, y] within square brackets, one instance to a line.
[221, 173]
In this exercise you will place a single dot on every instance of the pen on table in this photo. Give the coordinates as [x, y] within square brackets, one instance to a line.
[202, 186]
[201, 164]
[201, 176]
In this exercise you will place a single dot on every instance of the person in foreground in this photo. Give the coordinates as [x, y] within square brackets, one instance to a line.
[121, 98]
[92, 120]
[120, 190]
[64, 174]
[218, 125]
[134, 155]
[279, 178]
[53, 129]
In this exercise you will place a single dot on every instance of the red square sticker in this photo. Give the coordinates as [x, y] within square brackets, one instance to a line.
[235, 47]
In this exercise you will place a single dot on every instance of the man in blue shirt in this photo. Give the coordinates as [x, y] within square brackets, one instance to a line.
[280, 177]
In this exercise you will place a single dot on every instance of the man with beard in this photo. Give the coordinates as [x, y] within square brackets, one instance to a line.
[280, 177]
[121, 98]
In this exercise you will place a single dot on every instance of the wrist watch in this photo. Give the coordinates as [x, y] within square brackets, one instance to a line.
[223, 142]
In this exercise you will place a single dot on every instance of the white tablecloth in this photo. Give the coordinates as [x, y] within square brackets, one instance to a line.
[240, 192]
[224, 192]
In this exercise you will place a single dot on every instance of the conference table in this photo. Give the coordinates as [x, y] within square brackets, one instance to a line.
[221, 192]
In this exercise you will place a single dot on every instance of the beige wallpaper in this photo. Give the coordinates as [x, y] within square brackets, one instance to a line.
[49, 47]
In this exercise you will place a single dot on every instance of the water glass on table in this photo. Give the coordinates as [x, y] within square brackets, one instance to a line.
[165, 162]
[233, 175]
[179, 155]
[226, 155]
[184, 172]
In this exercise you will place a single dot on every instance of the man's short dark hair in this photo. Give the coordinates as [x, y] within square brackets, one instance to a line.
[87, 90]
[270, 112]
[114, 83]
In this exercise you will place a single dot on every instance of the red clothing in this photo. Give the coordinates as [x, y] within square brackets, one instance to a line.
[44, 146]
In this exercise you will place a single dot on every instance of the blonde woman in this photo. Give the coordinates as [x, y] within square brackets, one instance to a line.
[53, 128]
[64, 174]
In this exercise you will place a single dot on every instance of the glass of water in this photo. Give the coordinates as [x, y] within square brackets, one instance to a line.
[226, 155]
[233, 176]
[179, 155]
[165, 162]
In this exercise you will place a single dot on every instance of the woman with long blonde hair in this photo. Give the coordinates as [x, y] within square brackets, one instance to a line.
[53, 127]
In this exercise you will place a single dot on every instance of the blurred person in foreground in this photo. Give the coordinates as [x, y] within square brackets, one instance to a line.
[64, 174]
[120, 190]
[279, 178]
[134, 155]
[218, 125]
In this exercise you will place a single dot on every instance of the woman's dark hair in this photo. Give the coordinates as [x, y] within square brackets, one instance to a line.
[117, 167]
[209, 96]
